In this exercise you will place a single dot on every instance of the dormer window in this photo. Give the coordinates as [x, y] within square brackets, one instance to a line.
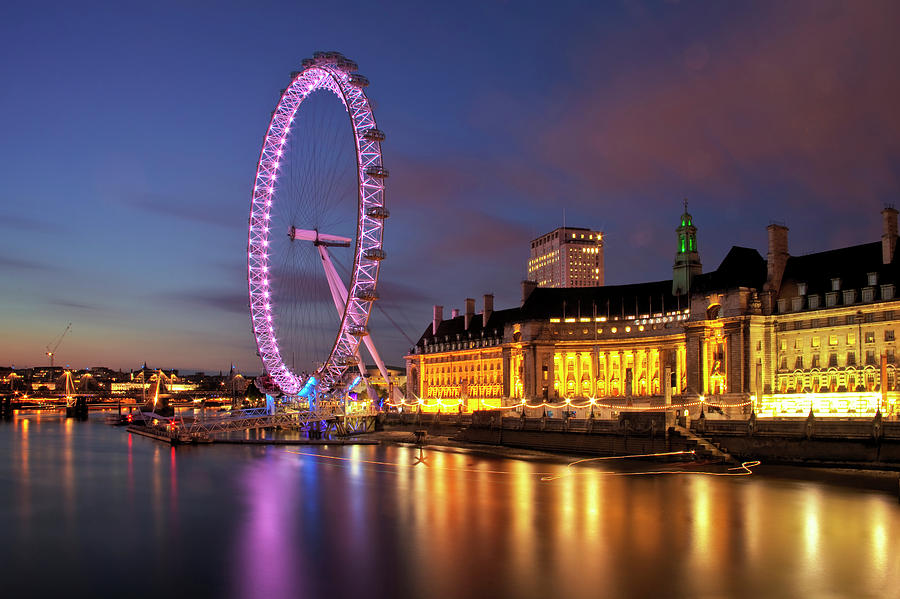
[873, 278]
[801, 288]
[835, 284]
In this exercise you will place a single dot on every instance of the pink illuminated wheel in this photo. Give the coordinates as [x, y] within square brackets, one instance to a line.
[316, 224]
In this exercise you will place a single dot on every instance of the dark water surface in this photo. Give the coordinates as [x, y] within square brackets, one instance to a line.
[89, 510]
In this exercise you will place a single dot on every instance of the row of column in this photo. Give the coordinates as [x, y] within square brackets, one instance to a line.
[612, 367]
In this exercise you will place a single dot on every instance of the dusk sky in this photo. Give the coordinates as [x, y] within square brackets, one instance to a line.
[131, 131]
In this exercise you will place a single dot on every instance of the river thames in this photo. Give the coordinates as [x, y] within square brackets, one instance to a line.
[90, 510]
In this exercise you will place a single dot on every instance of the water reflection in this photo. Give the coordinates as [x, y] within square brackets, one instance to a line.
[249, 521]
[267, 563]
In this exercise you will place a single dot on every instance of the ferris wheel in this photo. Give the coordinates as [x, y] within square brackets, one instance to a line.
[316, 227]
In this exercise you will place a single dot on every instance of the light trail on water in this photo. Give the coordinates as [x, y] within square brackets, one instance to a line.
[745, 468]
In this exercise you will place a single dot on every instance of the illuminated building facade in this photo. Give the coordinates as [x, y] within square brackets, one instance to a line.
[567, 257]
[833, 328]
[460, 361]
[780, 335]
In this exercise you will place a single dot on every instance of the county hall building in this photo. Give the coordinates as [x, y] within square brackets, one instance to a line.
[780, 334]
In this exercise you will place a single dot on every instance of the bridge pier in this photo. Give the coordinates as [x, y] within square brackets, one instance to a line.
[78, 410]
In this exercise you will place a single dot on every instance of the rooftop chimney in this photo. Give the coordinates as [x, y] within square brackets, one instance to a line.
[527, 288]
[888, 233]
[488, 308]
[777, 257]
[438, 317]
[470, 311]
[454, 312]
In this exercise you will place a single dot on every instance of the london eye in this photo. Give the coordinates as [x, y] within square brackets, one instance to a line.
[316, 228]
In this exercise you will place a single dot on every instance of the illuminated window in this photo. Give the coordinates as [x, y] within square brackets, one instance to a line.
[783, 344]
[815, 342]
[832, 340]
[851, 338]
[870, 336]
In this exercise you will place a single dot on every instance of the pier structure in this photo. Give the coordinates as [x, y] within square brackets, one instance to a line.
[316, 422]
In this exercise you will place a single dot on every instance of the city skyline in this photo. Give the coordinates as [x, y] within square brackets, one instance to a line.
[131, 162]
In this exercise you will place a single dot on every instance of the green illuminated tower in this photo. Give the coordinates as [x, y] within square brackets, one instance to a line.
[687, 258]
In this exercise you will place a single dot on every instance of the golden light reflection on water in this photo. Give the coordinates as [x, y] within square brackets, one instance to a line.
[811, 536]
[68, 473]
[701, 516]
[522, 509]
[751, 513]
[24, 474]
[884, 555]
[699, 524]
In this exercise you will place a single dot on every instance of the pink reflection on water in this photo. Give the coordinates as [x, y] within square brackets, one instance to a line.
[267, 543]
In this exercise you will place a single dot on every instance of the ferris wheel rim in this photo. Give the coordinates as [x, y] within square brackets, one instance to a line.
[333, 72]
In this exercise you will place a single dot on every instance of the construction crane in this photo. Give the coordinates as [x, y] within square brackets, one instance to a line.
[52, 350]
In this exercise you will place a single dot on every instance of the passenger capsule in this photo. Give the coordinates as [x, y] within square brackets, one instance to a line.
[374, 135]
[347, 65]
[379, 212]
[375, 254]
[358, 80]
[366, 294]
[378, 172]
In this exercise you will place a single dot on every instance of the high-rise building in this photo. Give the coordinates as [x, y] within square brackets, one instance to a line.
[567, 257]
